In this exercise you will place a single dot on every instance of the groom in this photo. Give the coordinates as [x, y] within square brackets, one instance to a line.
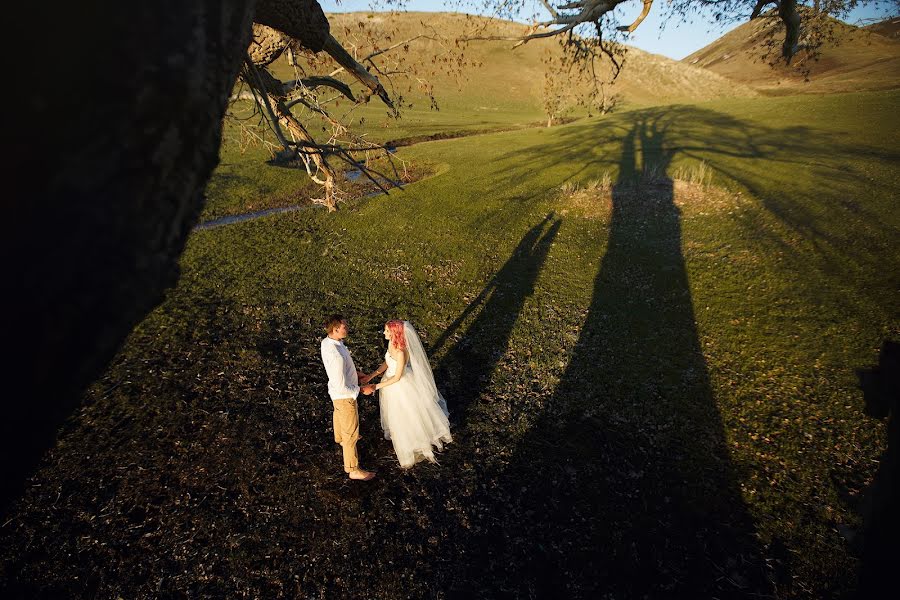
[343, 387]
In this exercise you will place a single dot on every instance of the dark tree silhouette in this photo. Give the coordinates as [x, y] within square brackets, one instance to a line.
[111, 185]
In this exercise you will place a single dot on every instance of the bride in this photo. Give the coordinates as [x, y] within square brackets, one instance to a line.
[413, 412]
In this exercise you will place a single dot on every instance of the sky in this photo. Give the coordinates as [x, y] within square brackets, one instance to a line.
[674, 40]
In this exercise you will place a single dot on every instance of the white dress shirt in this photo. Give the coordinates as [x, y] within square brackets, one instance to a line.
[342, 380]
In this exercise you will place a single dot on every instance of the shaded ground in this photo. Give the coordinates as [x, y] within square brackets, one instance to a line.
[649, 396]
[233, 490]
[620, 485]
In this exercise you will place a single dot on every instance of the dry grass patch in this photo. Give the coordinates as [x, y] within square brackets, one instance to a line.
[591, 201]
[696, 199]
[688, 187]
[444, 271]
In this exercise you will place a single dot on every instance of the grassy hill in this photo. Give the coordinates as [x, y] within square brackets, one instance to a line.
[651, 383]
[500, 89]
[860, 60]
[505, 87]
[888, 28]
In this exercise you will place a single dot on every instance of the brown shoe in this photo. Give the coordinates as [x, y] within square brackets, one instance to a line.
[360, 475]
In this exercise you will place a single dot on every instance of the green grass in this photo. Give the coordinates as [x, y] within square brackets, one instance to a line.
[499, 89]
[652, 389]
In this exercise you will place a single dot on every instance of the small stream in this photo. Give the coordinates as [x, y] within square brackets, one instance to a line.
[249, 216]
[231, 219]
[351, 175]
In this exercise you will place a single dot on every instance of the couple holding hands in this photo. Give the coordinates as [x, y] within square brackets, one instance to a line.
[413, 412]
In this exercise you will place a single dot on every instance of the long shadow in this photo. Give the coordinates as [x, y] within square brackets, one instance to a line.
[624, 487]
[719, 139]
[467, 367]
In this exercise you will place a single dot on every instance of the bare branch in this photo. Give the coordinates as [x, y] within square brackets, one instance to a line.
[589, 11]
[253, 74]
[550, 9]
[314, 82]
[761, 4]
[336, 126]
[397, 45]
[367, 171]
[640, 19]
[611, 55]
[376, 53]
[521, 39]
[318, 158]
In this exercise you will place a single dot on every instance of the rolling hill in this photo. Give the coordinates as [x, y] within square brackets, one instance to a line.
[861, 59]
[507, 78]
[888, 28]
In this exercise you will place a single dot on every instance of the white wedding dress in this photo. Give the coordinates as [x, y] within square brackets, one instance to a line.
[413, 412]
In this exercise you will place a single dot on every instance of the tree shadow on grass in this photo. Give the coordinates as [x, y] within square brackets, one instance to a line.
[807, 178]
[623, 486]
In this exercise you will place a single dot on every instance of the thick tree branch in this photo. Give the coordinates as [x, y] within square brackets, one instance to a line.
[266, 45]
[343, 58]
[586, 11]
[302, 20]
[640, 19]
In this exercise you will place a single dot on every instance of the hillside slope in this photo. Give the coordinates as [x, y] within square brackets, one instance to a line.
[860, 60]
[888, 28]
[509, 76]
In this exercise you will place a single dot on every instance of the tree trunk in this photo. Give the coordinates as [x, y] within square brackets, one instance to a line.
[787, 10]
[111, 173]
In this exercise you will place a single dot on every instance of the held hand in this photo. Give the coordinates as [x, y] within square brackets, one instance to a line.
[368, 390]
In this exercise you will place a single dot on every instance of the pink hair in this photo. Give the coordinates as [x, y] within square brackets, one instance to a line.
[395, 329]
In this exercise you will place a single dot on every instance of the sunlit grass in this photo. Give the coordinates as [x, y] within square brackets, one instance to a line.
[646, 327]
[499, 90]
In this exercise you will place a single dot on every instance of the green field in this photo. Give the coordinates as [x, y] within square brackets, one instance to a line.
[499, 89]
[651, 381]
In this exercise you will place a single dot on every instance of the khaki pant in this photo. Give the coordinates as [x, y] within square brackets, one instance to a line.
[346, 430]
